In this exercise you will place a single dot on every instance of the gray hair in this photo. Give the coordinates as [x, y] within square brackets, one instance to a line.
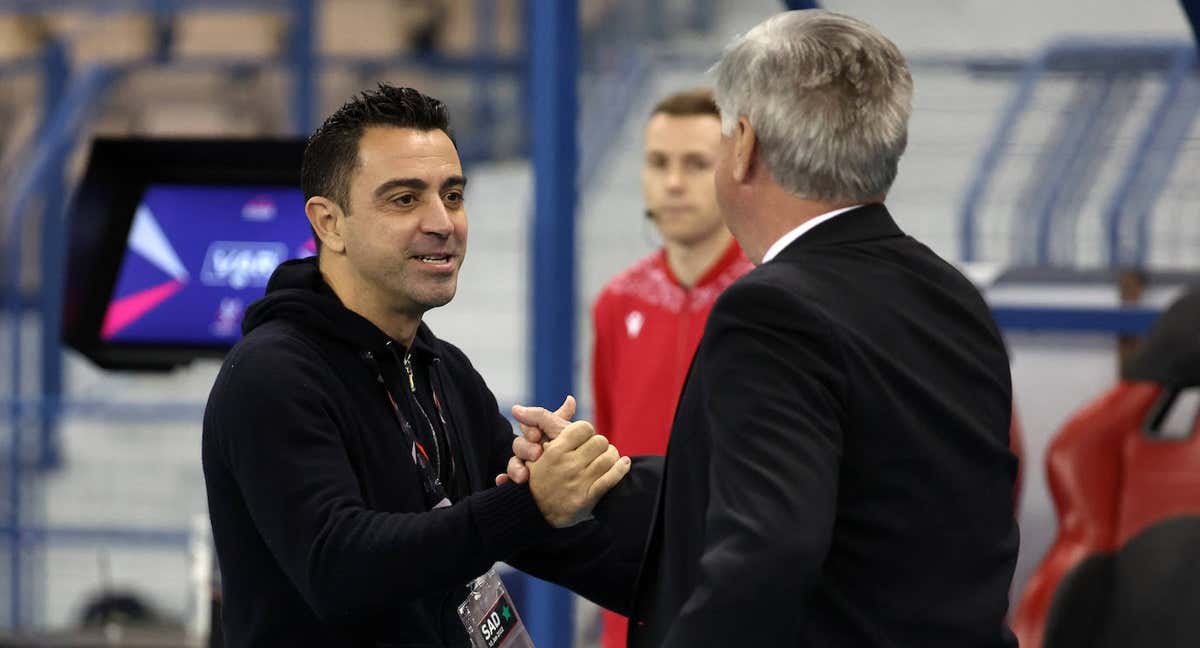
[828, 97]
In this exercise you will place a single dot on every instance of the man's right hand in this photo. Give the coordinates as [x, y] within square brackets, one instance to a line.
[527, 446]
[538, 425]
[574, 471]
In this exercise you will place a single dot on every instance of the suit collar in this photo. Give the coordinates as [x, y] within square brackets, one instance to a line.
[871, 221]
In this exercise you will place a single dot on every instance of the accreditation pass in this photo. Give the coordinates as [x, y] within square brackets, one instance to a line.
[490, 617]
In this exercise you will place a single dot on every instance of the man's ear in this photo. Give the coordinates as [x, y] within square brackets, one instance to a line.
[326, 218]
[745, 143]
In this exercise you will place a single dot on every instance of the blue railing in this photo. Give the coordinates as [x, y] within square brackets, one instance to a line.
[1065, 169]
[1086, 130]
[170, 538]
[1122, 321]
[156, 7]
[52, 66]
[993, 153]
[1157, 149]
[554, 74]
[44, 179]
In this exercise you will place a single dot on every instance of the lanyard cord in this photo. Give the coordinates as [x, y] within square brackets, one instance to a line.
[431, 481]
[406, 362]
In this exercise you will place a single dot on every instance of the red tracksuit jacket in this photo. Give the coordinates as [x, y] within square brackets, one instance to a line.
[647, 328]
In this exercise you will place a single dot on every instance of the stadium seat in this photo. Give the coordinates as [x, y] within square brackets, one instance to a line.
[1125, 479]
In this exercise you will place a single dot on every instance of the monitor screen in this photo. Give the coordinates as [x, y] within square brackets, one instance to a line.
[196, 256]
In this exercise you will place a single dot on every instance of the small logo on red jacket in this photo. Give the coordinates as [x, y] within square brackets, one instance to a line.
[633, 323]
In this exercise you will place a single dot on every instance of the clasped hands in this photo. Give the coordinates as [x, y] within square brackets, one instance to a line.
[568, 466]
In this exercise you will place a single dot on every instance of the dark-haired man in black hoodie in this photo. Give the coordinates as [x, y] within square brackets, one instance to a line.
[349, 454]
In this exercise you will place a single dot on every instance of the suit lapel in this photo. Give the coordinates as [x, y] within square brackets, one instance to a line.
[648, 544]
[653, 533]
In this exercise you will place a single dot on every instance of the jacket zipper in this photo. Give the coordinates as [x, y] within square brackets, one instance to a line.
[412, 383]
[412, 387]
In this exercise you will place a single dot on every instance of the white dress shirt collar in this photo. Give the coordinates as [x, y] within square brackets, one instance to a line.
[791, 236]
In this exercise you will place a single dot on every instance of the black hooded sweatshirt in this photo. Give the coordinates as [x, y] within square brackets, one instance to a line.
[322, 529]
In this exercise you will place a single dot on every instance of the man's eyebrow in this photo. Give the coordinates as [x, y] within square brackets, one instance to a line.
[417, 184]
[395, 183]
[684, 153]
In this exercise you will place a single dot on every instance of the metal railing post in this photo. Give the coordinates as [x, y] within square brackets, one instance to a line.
[554, 70]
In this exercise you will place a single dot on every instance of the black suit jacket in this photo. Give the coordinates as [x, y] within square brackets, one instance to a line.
[838, 472]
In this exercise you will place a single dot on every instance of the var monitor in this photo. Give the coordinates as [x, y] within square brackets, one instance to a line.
[171, 240]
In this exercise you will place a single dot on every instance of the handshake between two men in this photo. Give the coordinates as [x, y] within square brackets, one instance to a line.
[568, 466]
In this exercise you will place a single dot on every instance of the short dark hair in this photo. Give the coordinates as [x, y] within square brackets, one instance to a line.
[332, 151]
[689, 103]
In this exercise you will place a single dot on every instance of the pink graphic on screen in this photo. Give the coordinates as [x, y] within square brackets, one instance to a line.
[197, 255]
[126, 310]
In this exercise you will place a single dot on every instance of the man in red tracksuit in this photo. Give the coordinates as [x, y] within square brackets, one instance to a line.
[649, 318]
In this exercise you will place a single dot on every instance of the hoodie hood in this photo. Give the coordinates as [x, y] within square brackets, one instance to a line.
[298, 294]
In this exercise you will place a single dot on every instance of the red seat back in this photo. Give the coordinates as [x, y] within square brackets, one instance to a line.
[1161, 481]
[1123, 569]
[1083, 471]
